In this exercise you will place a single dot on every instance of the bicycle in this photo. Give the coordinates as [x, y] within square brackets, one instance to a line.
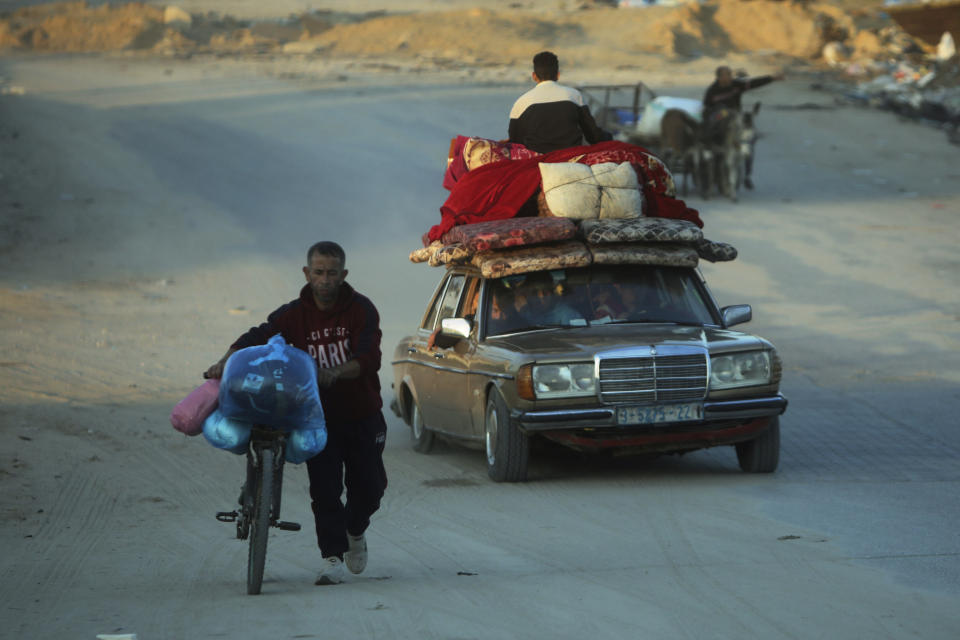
[260, 499]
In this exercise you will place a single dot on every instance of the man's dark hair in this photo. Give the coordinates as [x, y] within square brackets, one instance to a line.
[327, 248]
[721, 69]
[546, 65]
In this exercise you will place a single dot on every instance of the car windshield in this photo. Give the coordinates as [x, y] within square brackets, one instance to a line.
[600, 294]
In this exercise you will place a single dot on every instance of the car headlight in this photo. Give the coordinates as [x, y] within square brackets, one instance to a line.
[564, 380]
[746, 369]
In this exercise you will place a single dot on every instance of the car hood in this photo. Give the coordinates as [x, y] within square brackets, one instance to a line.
[586, 341]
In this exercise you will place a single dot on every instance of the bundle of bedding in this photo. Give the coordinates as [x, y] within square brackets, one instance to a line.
[606, 190]
[608, 203]
[520, 245]
[618, 240]
[496, 264]
[500, 190]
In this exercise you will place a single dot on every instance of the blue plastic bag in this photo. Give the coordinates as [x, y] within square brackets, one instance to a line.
[228, 434]
[303, 444]
[273, 384]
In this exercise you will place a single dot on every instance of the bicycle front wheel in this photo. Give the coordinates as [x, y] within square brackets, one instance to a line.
[260, 525]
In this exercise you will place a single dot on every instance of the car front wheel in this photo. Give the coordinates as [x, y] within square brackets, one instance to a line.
[762, 454]
[420, 437]
[508, 450]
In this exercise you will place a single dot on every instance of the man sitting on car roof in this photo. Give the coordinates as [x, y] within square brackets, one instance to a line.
[552, 116]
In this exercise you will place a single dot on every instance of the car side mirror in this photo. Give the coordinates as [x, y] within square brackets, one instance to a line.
[736, 314]
[455, 327]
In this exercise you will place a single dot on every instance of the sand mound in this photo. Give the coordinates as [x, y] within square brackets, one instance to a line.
[475, 34]
[598, 37]
[719, 28]
[73, 26]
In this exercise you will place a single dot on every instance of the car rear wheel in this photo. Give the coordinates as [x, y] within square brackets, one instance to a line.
[420, 437]
[508, 450]
[762, 454]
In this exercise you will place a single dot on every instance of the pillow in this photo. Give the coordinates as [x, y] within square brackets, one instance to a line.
[620, 195]
[495, 264]
[480, 151]
[641, 229]
[604, 190]
[570, 189]
[663, 254]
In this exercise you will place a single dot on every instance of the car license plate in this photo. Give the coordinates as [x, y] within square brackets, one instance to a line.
[660, 413]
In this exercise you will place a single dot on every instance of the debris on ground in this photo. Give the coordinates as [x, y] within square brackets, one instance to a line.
[902, 60]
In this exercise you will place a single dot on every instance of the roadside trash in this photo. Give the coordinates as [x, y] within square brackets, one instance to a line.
[835, 53]
[191, 412]
[273, 384]
[226, 433]
[946, 48]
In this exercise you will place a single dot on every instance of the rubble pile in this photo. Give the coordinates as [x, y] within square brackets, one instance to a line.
[928, 90]
[911, 73]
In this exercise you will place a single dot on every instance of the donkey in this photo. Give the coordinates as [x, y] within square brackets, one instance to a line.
[729, 139]
[680, 146]
[722, 131]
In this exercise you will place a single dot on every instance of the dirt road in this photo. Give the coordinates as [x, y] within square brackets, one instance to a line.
[151, 211]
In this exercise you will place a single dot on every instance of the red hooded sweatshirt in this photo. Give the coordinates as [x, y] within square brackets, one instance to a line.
[348, 331]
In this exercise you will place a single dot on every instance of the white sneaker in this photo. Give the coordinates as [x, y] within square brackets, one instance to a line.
[356, 555]
[331, 571]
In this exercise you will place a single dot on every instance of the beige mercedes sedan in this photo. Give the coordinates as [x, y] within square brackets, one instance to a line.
[634, 358]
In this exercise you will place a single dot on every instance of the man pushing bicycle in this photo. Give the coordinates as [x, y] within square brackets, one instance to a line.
[340, 329]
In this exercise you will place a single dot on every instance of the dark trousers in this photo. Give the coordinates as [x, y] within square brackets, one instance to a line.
[353, 456]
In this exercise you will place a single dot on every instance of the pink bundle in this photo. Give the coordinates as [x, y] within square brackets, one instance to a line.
[188, 416]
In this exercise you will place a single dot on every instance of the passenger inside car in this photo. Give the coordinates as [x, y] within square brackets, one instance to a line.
[504, 315]
[546, 303]
[607, 303]
[602, 294]
[633, 299]
[531, 300]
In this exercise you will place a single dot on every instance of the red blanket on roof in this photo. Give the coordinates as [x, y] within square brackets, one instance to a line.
[497, 191]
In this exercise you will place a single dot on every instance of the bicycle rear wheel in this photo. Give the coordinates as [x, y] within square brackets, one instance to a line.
[260, 525]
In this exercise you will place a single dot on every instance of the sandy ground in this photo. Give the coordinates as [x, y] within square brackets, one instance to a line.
[151, 210]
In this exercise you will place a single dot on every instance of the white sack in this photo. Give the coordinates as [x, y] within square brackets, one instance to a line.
[570, 189]
[620, 195]
[579, 191]
[649, 124]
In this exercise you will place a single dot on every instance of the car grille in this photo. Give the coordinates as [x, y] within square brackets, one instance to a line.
[680, 378]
